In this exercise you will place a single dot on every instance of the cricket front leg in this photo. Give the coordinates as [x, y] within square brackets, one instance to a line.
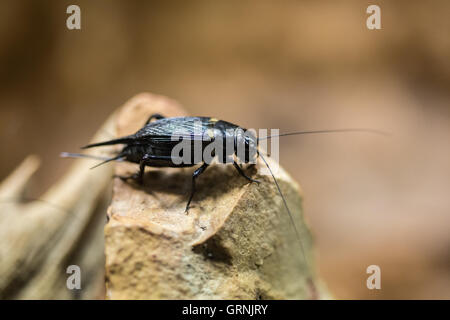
[242, 173]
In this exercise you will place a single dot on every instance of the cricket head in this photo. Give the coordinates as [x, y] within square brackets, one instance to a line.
[246, 145]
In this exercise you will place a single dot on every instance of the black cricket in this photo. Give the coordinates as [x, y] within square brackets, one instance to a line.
[152, 146]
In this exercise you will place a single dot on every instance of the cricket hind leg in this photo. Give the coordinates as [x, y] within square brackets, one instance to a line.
[197, 172]
[242, 173]
[138, 176]
[147, 161]
[156, 116]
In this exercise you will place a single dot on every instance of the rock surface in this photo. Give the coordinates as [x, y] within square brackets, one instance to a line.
[236, 242]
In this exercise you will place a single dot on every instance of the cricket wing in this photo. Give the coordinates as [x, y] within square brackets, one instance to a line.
[172, 130]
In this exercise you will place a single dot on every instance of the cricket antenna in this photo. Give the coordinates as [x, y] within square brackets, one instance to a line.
[290, 217]
[326, 131]
[119, 157]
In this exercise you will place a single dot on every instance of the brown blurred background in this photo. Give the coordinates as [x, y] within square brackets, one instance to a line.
[293, 65]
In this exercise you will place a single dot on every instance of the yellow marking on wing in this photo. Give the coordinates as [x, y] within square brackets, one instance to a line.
[210, 133]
